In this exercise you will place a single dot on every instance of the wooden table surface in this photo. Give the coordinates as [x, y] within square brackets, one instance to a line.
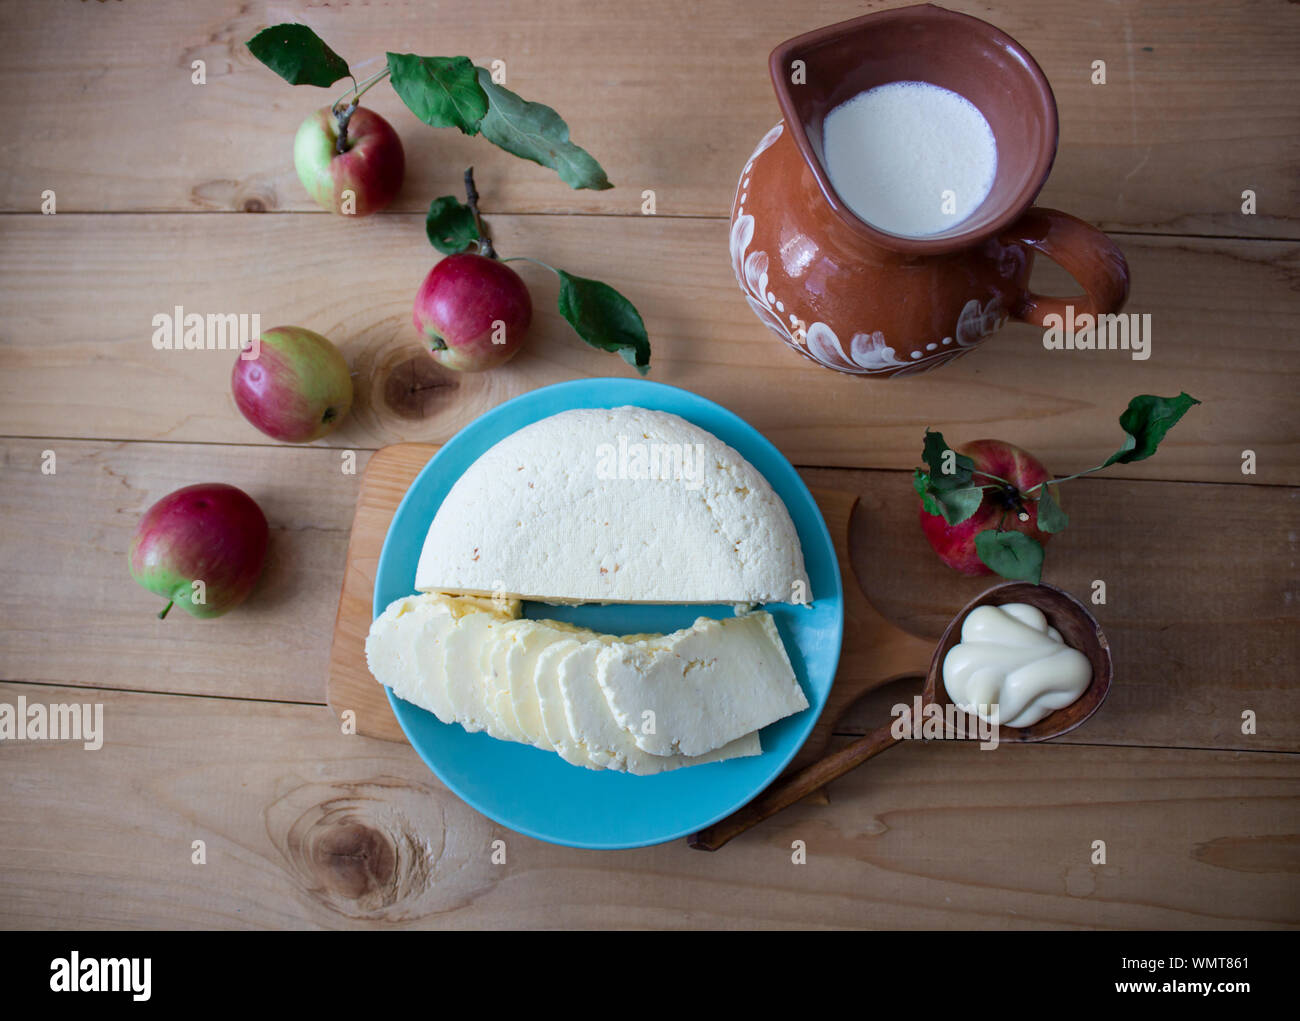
[172, 193]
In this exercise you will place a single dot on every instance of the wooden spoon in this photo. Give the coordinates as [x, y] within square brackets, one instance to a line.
[1065, 613]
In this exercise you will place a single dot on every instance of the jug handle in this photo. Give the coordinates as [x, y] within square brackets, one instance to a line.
[1083, 251]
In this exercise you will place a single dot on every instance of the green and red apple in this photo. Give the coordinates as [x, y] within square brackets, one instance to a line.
[369, 170]
[294, 385]
[1000, 508]
[211, 533]
[473, 311]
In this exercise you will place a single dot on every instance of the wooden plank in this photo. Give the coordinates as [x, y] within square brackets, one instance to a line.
[1197, 105]
[71, 612]
[78, 295]
[304, 827]
[1201, 617]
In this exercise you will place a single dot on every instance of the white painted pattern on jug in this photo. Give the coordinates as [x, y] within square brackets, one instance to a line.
[867, 353]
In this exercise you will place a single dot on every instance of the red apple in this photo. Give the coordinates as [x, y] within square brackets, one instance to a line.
[296, 389]
[371, 166]
[473, 311]
[211, 533]
[999, 509]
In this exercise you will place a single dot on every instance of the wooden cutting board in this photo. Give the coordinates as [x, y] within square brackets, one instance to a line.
[875, 652]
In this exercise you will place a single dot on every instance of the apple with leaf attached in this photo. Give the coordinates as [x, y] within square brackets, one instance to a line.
[473, 310]
[350, 159]
[989, 507]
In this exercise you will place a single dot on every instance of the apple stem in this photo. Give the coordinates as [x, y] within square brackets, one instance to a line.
[535, 262]
[471, 197]
[1064, 478]
[990, 475]
[341, 118]
[163, 612]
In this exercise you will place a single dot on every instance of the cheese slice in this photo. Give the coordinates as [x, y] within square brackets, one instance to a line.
[608, 745]
[702, 687]
[622, 505]
[405, 648]
[496, 680]
[466, 688]
[589, 718]
[550, 703]
[530, 639]
[391, 652]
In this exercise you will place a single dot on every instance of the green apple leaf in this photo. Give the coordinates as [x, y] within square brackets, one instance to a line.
[1145, 423]
[956, 505]
[442, 91]
[938, 456]
[298, 55]
[921, 483]
[604, 319]
[450, 225]
[533, 131]
[1013, 555]
[1050, 516]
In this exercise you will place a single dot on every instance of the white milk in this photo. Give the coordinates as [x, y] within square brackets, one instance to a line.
[910, 158]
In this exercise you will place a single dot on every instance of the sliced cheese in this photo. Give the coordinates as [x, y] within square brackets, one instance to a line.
[701, 688]
[621, 505]
[566, 689]
[496, 681]
[405, 648]
[529, 639]
[607, 744]
[550, 702]
[590, 721]
[465, 682]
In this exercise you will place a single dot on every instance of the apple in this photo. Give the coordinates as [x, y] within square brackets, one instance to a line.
[296, 389]
[371, 166]
[1000, 509]
[210, 533]
[473, 311]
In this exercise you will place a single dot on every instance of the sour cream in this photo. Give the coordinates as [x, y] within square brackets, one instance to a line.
[1012, 667]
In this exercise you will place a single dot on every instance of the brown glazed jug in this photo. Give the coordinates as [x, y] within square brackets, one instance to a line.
[859, 300]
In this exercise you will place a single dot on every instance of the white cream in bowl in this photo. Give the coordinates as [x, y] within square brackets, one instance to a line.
[1012, 668]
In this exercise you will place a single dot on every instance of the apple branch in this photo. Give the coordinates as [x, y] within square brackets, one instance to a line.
[357, 91]
[342, 116]
[471, 197]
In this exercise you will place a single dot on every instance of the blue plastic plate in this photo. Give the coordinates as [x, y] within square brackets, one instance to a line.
[535, 792]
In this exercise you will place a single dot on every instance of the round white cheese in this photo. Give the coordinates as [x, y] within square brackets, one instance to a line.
[622, 505]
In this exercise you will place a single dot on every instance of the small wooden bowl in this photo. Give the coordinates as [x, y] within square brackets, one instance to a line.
[1077, 626]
